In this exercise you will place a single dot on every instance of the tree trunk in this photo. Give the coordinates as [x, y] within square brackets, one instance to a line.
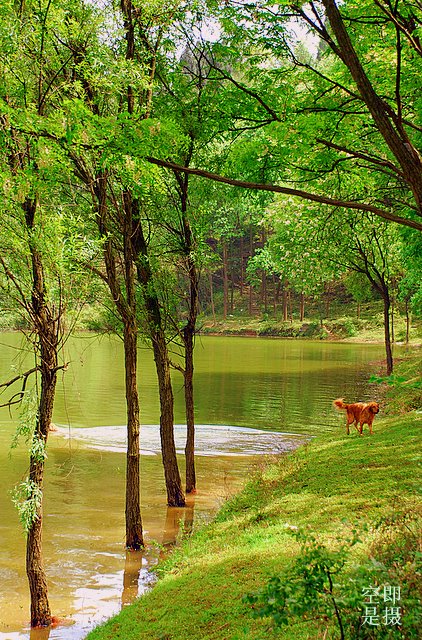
[407, 321]
[225, 281]
[190, 413]
[242, 268]
[390, 128]
[134, 532]
[47, 331]
[212, 297]
[125, 302]
[387, 334]
[276, 288]
[40, 608]
[251, 252]
[264, 283]
[188, 340]
[302, 306]
[189, 329]
[264, 296]
[175, 497]
[285, 308]
[393, 339]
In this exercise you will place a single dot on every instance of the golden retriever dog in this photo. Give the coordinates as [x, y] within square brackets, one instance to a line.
[358, 412]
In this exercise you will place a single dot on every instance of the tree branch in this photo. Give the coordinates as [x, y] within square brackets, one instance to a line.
[387, 215]
[17, 397]
[21, 376]
[362, 156]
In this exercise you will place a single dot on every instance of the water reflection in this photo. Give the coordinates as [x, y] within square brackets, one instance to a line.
[132, 572]
[39, 634]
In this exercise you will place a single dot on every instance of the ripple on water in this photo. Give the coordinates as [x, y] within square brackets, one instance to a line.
[210, 440]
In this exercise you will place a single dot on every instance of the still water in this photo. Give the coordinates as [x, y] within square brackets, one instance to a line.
[253, 397]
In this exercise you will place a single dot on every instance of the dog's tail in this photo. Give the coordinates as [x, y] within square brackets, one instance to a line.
[339, 404]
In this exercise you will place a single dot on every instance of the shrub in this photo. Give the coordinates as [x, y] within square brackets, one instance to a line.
[376, 599]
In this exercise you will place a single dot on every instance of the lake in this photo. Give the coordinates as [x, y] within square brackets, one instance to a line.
[253, 397]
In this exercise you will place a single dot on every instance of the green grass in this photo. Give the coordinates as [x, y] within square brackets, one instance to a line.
[350, 329]
[328, 488]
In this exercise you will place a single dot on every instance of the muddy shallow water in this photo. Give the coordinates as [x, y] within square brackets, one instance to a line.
[252, 396]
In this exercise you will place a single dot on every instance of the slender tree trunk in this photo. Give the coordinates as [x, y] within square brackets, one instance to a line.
[190, 412]
[251, 252]
[225, 281]
[289, 305]
[134, 532]
[47, 332]
[40, 608]
[242, 268]
[127, 309]
[358, 311]
[188, 340]
[277, 293]
[393, 300]
[231, 290]
[175, 497]
[302, 306]
[387, 334]
[212, 296]
[125, 302]
[264, 288]
[285, 310]
[189, 329]
[407, 321]
[264, 295]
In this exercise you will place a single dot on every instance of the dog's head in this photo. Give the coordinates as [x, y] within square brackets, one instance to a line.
[373, 407]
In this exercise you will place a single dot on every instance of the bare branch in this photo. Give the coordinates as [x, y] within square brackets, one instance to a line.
[17, 397]
[178, 367]
[21, 376]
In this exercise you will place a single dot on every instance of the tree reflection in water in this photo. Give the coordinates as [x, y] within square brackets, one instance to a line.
[178, 520]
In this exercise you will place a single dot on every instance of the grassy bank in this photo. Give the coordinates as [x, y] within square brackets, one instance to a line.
[349, 501]
[342, 324]
[352, 329]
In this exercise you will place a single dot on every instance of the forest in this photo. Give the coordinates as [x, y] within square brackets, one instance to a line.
[168, 163]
